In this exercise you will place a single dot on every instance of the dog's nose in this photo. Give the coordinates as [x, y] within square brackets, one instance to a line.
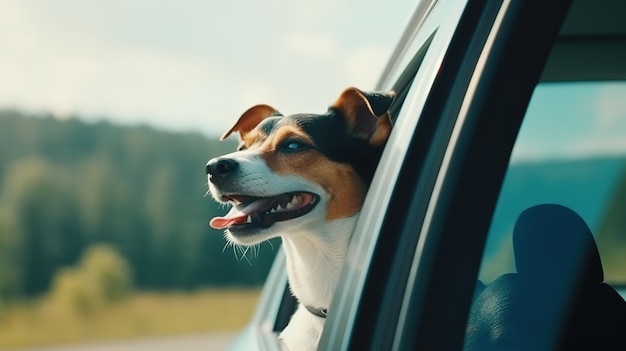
[221, 167]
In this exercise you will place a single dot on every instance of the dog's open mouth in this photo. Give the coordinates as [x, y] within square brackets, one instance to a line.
[263, 212]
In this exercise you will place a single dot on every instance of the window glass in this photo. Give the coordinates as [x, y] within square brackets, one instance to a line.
[571, 150]
[554, 265]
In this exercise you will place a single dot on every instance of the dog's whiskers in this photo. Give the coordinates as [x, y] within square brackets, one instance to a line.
[228, 243]
[256, 249]
[271, 245]
[240, 251]
[244, 252]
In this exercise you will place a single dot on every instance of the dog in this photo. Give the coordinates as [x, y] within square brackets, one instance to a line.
[304, 178]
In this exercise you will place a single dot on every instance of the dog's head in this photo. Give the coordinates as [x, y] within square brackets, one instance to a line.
[289, 173]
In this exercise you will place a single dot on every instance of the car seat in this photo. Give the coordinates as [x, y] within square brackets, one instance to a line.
[557, 299]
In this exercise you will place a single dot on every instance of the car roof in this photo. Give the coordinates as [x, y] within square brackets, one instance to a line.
[591, 44]
[595, 18]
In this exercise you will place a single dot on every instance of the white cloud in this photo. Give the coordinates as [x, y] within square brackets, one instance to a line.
[607, 135]
[316, 12]
[365, 64]
[599, 145]
[189, 64]
[258, 91]
[610, 104]
[315, 45]
[125, 84]
[574, 120]
[527, 151]
[591, 146]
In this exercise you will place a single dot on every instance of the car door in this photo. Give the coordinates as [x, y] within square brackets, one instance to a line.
[411, 272]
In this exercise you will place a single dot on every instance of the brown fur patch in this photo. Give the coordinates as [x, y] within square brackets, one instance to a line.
[253, 137]
[250, 119]
[344, 187]
[383, 129]
[361, 120]
[353, 104]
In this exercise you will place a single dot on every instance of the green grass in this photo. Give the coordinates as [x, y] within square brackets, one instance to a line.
[142, 315]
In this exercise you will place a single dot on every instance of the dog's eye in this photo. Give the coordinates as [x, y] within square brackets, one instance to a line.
[241, 147]
[292, 146]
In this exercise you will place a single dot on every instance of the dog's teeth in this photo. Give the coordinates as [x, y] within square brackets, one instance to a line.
[249, 220]
[272, 210]
[295, 200]
[290, 206]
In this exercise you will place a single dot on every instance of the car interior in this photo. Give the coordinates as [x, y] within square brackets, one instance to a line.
[554, 282]
[559, 277]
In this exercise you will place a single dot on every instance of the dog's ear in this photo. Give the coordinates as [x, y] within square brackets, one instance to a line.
[366, 114]
[250, 119]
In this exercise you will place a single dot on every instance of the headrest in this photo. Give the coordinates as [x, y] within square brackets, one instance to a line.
[553, 242]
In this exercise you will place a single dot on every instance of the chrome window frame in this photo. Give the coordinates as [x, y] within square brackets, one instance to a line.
[442, 20]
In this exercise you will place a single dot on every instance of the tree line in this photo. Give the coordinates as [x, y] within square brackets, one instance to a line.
[66, 185]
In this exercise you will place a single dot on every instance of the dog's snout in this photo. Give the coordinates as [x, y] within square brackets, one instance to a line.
[221, 167]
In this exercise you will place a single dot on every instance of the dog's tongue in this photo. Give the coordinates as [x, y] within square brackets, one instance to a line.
[239, 215]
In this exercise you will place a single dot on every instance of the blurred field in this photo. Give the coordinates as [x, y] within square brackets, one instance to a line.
[142, 315]
[201, 342]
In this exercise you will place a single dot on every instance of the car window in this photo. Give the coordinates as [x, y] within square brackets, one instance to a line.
[572, 151]
[541, 282]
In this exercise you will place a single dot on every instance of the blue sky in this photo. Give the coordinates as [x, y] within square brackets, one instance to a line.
[190, 64]
[574, 120]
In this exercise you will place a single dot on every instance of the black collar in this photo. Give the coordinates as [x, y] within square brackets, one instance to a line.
[320, 312]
